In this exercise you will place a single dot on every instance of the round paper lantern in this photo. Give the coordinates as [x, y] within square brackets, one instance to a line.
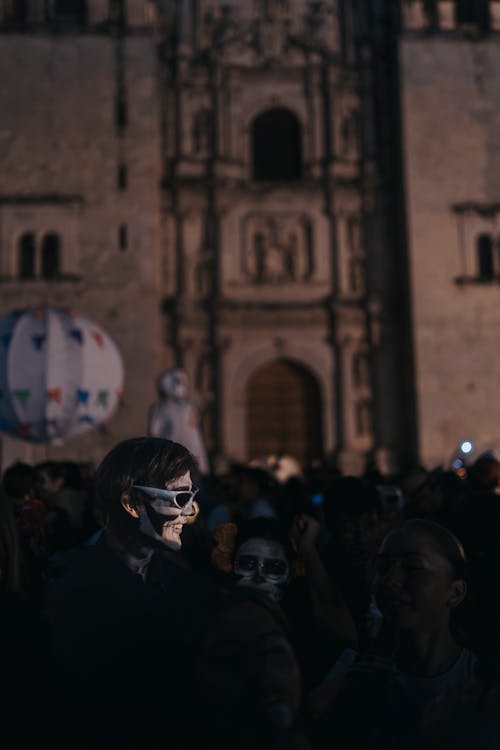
[60, 375]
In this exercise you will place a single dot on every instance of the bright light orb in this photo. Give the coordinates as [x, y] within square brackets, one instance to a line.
[466, 447]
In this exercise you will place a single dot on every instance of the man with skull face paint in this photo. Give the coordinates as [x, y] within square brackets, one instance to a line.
[262, 564]
[125, 619]
[248, 677]
[271, 639]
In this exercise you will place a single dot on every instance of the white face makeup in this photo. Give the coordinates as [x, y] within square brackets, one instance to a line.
[173, 383]
[262, 564]
[160, 520]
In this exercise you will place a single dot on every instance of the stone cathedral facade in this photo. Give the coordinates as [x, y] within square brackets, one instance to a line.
[236, 188]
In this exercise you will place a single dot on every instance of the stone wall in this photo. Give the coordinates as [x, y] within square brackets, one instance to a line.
[62, 143]
[450, 99]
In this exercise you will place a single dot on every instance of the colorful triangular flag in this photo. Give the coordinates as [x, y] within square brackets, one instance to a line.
[39, 340]
[54, 394]
[77, 334]
[82, 396]
[22, 395]
[102, 398]
[98, 338]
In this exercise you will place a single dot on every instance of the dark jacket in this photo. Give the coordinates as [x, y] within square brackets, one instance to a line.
[248, 677]
[122, 651]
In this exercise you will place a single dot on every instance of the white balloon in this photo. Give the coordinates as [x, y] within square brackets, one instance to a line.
[60, 375]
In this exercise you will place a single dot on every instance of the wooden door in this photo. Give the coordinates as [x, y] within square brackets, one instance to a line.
[283, 411]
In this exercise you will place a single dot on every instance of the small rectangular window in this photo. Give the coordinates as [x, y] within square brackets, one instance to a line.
[122, 237]
[121, 113]
[26, 256]
[485, 257]
[50, 256]
[73, 11]
[117, 12]
[472, 12]
[15, 12]
[122, 177]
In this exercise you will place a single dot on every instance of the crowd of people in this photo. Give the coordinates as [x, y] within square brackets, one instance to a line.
[146, 605]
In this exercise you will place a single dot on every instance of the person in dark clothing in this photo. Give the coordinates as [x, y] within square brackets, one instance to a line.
[352, 513]
[277, 633]
[22, 640]
[30, 513]
[124, 620]
[248, 678]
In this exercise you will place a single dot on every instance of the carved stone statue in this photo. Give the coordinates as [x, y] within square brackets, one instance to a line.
[278, 249]
[174, 417]
[202, 131]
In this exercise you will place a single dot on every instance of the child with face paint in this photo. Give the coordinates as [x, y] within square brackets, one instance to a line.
[125, 620]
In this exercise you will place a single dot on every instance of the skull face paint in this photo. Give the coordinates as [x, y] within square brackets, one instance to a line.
[160, 520]
[173, 383]
[262, 564]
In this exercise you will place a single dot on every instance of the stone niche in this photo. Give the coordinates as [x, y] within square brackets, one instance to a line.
[276, 248]
[269, 255]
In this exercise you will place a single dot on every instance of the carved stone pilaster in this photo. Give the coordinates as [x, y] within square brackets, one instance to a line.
[414, 18]
[446, 14]
[495, 15]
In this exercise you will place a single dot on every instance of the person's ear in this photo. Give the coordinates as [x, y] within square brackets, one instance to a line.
[128, 505]
[457, 594]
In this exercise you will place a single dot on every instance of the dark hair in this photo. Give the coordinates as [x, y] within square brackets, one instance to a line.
[148, 461]
[445, 541]
[485, 473]
[350, 496]
[68, 471]
[18, 480]
[55, 469]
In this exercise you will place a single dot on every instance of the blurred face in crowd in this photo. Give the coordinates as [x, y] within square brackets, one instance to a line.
[46, 486]
[414, 584]
[162, 515]
[262, 564]
[357, 536]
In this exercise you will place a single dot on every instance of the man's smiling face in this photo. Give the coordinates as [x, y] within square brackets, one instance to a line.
[160, 519]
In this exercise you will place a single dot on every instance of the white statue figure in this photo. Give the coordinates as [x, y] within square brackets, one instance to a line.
[174, 417]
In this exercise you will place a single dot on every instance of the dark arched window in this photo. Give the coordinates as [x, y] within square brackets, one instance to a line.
[15, 11]
[117, 12]
[70, 10]
[26, 256]
[277, 146]
[50, 256]
[486, 267]
[474, 12]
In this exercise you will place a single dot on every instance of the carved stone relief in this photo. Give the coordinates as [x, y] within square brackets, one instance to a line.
[356, 257]
[361, 374]
[277, 248]
[202, 131]
[226, 30]
[323, 25]
[363, 418]
[349, 134]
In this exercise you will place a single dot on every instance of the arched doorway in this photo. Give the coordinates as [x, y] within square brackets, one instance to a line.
[283, 412]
